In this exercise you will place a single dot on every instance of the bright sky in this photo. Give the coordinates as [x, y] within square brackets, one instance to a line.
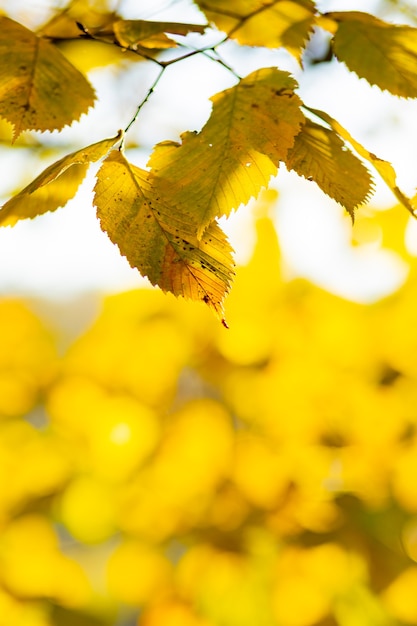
[65, 253]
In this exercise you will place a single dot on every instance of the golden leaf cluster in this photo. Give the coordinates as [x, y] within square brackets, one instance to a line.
[164, 218]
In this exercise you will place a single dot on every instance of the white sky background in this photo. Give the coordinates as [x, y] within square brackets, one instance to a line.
[65, 253]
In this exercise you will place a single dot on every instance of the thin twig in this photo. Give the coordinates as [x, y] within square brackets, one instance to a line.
[146, 98]
[164, 64]
[87, 34]
[217, 58]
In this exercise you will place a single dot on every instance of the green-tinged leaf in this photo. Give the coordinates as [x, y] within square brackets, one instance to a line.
[39, 88]
[320, 155]
[157, 239]
[384, 54]
[384, 168]
[286, 23]
[250, 130]
[129, 33]
[55, 186]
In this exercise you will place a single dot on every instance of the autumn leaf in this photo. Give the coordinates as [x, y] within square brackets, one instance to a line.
[287, 23]
[384, 168]
[39, 88]
[129, 33]
[65, 24]
[320, 155]
[251, 128]
[56, 185]
[157, 239]
[384, 54]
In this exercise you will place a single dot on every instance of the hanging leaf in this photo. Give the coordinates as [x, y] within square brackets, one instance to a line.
[287, 23]
[384, 168]
[39, 88]
[65, 24]
[384, 54]
[320, 155]
[56, 185]
[129, 33]
[250, 130]
[157, 239]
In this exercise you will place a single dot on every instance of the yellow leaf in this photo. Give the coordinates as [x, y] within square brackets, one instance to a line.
[156, 238]
[64, 23]
[131, 32]
[287, 23]
[384, 54]
[39, 88]
[384, 168]
[252, 126]
[55, 185]
[320, 155]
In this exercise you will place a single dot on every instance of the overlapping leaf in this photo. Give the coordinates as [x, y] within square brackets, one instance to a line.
[283, 23]
[158, 239]
[384, 54]
[384, 168]
[251, 128]
[55, 186]
[320, 155]
[39, 88]
[65, 24]
[130, 33]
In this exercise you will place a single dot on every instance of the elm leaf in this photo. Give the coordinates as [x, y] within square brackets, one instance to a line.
[39, 88]
[384, 54]
[320, 155]
[283, 24]
[157, 240]
[130, 33]
[56, 185]
[251, 128]
[384, 168]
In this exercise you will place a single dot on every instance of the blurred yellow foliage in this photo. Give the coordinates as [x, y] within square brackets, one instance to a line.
[164, 471]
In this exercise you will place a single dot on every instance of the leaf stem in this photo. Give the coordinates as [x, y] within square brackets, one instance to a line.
[86, 33]
[164, 64]
[148, 95]
[217, 58]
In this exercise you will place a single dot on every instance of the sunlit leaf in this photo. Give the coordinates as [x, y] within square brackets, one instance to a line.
[250, 130]
[384, 54]
[384, 168]
[287, 23]
[320, 155]
[39, 88]
[129, 33]
[56, 185]
[68, 23]
[157, 239]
